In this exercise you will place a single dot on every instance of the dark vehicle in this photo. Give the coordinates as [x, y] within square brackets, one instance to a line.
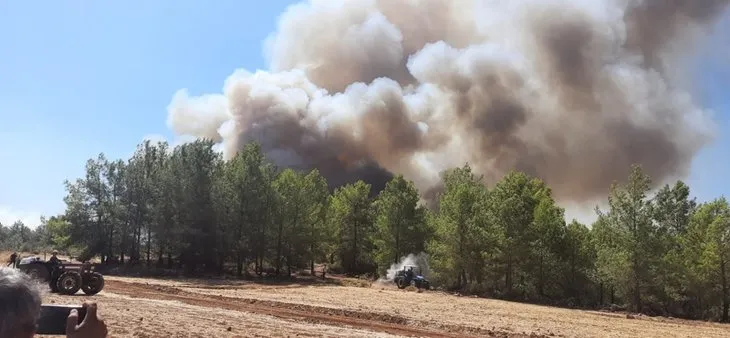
[407, 276]
[62, 277]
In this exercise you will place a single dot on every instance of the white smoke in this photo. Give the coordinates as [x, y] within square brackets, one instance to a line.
[418, 261]
[572, 91]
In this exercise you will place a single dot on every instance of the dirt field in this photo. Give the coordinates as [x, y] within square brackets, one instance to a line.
[160, 308]
[135, 307]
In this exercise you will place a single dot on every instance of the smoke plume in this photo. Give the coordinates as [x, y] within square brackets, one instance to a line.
[572, 91]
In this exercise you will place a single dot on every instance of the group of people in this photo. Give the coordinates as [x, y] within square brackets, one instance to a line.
[20, 307]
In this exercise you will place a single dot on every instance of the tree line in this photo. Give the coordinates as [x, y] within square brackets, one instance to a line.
[184, 208]
[20, 237]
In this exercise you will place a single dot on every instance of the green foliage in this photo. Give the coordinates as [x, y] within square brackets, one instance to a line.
[627, 259]
[707, 256]
[463, 236]
[187, 209]
[19, 237]
[400, 223]
[351, 217]
[579, 254]
[57, 232]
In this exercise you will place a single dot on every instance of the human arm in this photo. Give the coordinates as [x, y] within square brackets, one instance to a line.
[91, 327]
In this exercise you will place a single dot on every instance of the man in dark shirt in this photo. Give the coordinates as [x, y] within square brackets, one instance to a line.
[54, 259]
[13, 260]
[410, 273]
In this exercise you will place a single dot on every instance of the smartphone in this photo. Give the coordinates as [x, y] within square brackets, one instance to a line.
[52, 320]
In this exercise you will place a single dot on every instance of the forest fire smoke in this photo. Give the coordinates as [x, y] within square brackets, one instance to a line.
[572, 91]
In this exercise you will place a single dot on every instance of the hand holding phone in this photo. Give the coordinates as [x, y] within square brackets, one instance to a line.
[53, 318]
[86, 324]
[72, 321]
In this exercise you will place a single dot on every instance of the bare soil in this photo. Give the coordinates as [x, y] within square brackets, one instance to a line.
[138, 307]
[430, 314]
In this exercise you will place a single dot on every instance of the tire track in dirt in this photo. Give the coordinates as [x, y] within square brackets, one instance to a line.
[379, 322]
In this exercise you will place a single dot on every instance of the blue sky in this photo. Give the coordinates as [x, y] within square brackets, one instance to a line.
[82, 77]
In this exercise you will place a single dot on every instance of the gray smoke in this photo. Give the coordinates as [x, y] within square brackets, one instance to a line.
[418, 261]
[572, 91]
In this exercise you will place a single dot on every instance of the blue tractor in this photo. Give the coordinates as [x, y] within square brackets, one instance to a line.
[407, 277]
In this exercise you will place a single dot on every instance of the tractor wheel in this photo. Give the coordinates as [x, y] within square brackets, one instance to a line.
[93, 283]
[401, 283]
[69, 282]
[37, 272]
[426, 285]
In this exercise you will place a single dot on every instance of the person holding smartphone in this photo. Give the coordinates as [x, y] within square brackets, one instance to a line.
[90, 327]
[20, 308]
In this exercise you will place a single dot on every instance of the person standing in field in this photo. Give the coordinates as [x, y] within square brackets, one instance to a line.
[13, 260]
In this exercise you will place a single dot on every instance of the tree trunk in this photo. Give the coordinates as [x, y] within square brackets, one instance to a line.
[700, 306]
[288, 259]
[508, 275]
[279, 248]
[600, 294]
[637, 290]
[354, 246]
[239, 264]
[397, 246]
[137, 236]
[573, 277]
[613, 295]
[635, 261]
[311, 251]
[541, 278]
[149, 244]
[123, 241]
[725, 296]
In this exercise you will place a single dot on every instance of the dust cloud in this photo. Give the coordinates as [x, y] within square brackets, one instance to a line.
[572, 91]
[419, 261]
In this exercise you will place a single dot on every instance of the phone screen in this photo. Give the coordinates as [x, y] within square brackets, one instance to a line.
[52, 320]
